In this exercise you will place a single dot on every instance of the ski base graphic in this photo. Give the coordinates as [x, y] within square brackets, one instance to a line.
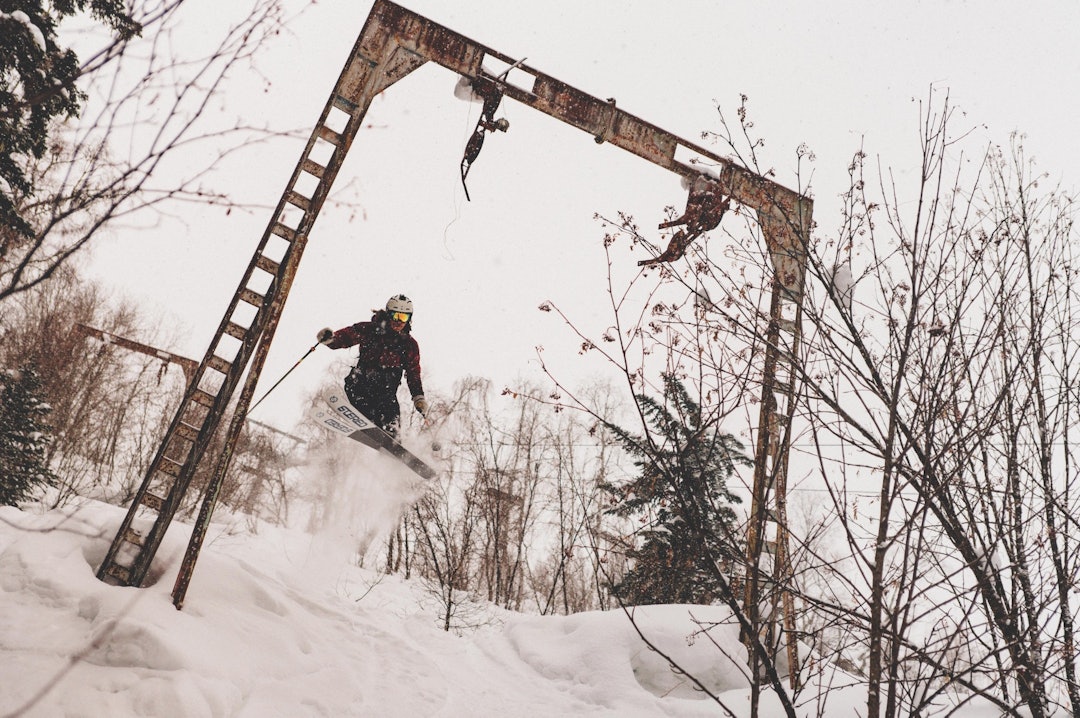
[341, 417]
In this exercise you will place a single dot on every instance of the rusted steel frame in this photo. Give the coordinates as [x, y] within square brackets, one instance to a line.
[209, 423]
[784, 215]
[787, 232]
[600, 118]
[770, 481]
[782, 574]
[764, 479]
[785, 218]
[182, 480]
[399, 41]
[359, 82]
[188, 366]
[213, 489]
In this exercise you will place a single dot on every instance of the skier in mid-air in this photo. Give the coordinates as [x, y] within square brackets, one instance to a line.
[387, 349]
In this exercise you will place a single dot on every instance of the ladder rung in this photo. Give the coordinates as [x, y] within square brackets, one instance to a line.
[266, 264]
[133, 536]
[152, 501]
[345, 104]
[203, 397]
[218, 364]
[313, 168]
[118, 572]
[282, 231]
[168, 466]
[789, 303]
[236, 331]
[251, 297]
[297, 199]
[187, 431]
[778, 418]
[783, 355]
[329, 135]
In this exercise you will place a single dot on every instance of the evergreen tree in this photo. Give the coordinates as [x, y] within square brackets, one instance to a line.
[24, 437]
[688, 543]
[37, 84]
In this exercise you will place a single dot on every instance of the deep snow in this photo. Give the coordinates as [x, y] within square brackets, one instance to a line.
[282, 623]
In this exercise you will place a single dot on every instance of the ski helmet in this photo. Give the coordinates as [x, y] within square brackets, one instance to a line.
[399, 303]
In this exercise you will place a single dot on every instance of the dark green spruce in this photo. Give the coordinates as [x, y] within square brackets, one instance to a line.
[37, 86]
[688, 544]
[24, 437]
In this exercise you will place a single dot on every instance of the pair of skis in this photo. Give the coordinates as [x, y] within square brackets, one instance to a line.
[339, 416]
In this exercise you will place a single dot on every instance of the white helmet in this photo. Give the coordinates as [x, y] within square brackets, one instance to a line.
[399, 303]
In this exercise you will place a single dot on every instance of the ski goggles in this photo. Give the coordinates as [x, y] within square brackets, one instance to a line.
[402, 317]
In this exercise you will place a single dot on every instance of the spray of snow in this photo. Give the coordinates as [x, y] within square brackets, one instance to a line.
[357, 496]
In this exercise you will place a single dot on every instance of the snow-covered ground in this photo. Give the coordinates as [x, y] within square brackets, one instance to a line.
[281, 623]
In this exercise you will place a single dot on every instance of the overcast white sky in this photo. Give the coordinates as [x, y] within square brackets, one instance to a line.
[833, 75]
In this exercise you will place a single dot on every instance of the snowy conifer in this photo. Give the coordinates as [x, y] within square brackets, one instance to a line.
[37, 84]
[687, 543]
[24, 437]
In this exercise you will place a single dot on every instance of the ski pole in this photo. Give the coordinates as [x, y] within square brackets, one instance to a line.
[426, 426]
[275, 386]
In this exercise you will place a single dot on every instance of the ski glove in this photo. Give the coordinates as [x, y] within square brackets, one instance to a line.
[325, 335]
[421, 404]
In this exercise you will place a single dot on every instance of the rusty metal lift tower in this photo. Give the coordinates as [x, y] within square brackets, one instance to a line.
[188, 366]
[393, 42]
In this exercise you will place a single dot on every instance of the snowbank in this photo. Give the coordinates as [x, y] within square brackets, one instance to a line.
[280, 624]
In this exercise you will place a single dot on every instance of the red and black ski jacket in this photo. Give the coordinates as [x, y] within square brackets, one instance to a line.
[384, 354]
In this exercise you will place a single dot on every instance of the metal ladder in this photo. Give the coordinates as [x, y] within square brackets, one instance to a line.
[768, 600]
[393, 43]
[250, 320]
